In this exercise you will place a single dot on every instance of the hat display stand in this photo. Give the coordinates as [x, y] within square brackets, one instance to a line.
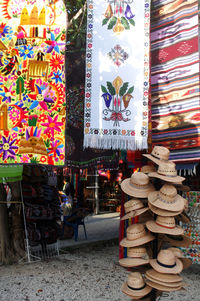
[166, 207]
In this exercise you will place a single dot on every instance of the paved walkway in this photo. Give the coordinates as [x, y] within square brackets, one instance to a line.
[100, 227]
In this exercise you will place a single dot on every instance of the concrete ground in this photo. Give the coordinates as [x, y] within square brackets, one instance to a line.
[86, 270]
[100, 227]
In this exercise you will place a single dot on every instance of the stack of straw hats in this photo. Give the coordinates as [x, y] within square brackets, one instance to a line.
[165, 273]
[166, 207]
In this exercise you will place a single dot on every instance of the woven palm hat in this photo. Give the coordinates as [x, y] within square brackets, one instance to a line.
[158, 154]
[147, 169]
[171, 284]
[183, 217]
[178, 253]
[165, 225]
[167, 172]
[178, 240]
[136, 236]
[163, 288]
[163, 212]
[167, 198]
[138, 185]
[166, 263]
[135, 286]
[134, 208]
[136, 256]
[168, 278]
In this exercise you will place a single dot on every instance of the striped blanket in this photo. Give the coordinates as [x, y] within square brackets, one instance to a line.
[175, 78]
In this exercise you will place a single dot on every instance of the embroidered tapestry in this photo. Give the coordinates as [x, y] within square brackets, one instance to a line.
[117, 74]
[32, 81]
[175, 80]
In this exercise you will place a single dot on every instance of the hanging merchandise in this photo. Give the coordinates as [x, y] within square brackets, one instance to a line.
[32, 81]
[117, 75]
[175, 80]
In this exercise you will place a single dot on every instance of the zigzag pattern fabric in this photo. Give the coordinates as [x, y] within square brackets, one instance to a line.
[175, 78]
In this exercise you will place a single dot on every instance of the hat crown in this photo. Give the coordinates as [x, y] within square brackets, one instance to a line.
[168, 192]
[135, 231]
[135, 280]
[166, 221]
[139, 178]
[166, 257]
[136, 252]
[133, 205]
[160, 152]
[147, 169]
[177, 252]
[167, 169]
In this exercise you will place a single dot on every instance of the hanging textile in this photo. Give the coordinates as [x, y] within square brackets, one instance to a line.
[175, 79]
[32, 81]
[117, 74]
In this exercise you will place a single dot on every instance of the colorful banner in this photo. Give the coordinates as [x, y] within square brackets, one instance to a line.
[175, 83]
[117, 74]
[32, 81]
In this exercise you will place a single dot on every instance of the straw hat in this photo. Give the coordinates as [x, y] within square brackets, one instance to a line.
[163, 212]
[184, 218]
[167, 198]
[178, 240]
[136, 256]
[147, 169]
[165, 225]
[134, 208]
[136, 236]
[137, 186]
[178, 253]
[165, 283]
[167, 172]
[158, 154]
[166, 263]
[169, 278]
[163, 288]
[135, 286]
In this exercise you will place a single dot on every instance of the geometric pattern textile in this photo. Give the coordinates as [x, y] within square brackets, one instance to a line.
[32, 81]
[175, 78]
[117, 74]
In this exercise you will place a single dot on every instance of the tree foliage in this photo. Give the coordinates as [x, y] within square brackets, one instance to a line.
[76, 33]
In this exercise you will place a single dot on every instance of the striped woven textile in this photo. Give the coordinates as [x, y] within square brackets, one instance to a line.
[175, 78]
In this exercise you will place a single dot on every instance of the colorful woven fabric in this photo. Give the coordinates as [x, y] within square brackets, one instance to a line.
[32, 81]
[175, 79]
[117, 75]
[192, 229]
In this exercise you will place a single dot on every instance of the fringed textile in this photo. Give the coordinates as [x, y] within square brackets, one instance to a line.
[117, 75]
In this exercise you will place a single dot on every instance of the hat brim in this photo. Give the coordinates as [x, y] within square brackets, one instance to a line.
[136, 242]
[132, 262]
[171, 284]
[134, 213]
[166, 178]
[163, 277]
[177, 205]
[138, 193]
[186, 262]
[163, 212]
[155, 160]
[162, 287]
[175, 270]
[155, 228]
[136, 293]
[183, 217]
[179, 241]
